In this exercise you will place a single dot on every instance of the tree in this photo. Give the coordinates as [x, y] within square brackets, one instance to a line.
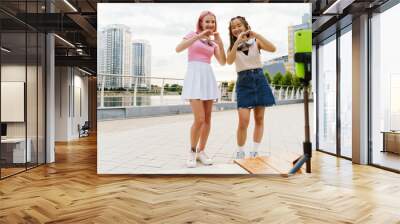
[179, 88]
[173, 88]
[296, 81]
[277, 79]
[224, 85]
[231, 86]
[268, 76]
[166, 87]
[287, 79]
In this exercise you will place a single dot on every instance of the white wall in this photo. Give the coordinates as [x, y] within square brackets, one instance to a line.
[33, 126]
[79, 117]
[71, 87]
[62, 81]
[12, 73]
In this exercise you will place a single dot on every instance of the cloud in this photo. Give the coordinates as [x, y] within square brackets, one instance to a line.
[164, 25]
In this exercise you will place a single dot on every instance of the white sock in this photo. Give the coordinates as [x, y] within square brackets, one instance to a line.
[241, 148]
[255, 146]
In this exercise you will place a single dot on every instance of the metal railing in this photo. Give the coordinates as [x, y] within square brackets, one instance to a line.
[132, 91]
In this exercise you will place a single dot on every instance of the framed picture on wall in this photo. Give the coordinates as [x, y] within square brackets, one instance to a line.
[12, 101]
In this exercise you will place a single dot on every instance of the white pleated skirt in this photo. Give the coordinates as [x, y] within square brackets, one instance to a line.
[200, 82]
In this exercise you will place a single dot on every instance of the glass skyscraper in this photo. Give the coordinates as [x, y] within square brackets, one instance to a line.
[115, 55]
[141, 62]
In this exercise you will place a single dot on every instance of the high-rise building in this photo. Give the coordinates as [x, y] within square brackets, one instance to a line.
[115, 55]
[141, 62]
[276, 65]
[306, 24]
[306, 18]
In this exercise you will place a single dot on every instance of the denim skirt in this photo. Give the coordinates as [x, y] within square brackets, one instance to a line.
[253, 90]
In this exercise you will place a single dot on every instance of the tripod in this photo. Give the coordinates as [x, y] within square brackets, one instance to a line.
[304, 58]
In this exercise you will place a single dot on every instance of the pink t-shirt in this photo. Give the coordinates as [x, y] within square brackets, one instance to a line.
[200, 51]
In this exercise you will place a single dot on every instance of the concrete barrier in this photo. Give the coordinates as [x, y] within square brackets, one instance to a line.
[115, 113]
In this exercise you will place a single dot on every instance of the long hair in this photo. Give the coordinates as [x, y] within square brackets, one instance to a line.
[232, 38]
[200, 20]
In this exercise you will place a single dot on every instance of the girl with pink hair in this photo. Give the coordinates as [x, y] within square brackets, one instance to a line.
[200, 85]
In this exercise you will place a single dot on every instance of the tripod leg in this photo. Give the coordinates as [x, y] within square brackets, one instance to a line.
[299, 164]
[295, 161]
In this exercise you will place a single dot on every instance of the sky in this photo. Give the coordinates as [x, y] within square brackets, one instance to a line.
[164, 25]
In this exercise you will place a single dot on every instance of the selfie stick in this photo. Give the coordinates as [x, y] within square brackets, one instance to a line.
[302, 58]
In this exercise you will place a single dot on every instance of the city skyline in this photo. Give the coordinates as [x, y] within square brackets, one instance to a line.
[165, 30]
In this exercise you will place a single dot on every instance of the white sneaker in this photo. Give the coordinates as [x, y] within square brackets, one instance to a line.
[203, 158]
[253, 154]
[191, 162]
[240, 154]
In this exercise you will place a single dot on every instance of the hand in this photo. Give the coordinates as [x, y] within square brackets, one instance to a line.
[217, 38]
[243, 36]
[252, 34]
[205, 34]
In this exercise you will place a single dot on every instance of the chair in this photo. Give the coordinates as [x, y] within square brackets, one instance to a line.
[84, 130]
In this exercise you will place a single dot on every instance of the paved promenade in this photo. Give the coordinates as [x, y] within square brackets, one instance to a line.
[159, 145]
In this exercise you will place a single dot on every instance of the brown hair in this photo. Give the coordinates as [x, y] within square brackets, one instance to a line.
[231, 37]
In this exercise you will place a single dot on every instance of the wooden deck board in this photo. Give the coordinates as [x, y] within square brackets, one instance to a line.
[278, 163]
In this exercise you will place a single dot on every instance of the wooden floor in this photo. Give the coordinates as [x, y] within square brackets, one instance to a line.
[10, 171]
[387, 159]
[70, 191]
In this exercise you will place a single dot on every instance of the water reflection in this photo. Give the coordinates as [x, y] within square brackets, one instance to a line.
[128, 101]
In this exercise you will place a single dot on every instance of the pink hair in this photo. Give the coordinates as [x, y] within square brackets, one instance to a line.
[202, 15]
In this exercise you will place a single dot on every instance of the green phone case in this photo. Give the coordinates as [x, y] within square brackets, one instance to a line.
[302, 44]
